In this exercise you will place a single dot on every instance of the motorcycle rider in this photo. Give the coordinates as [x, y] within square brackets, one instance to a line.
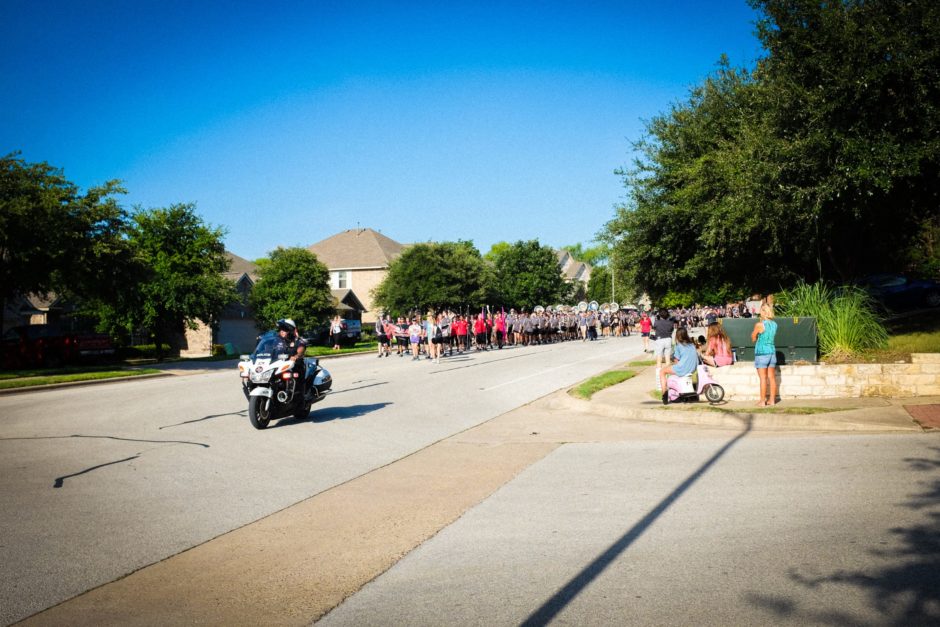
[295, 347]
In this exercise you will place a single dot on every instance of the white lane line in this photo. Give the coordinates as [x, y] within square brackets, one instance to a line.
[541, 372]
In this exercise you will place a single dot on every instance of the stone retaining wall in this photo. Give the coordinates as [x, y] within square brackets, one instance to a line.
[919, 378]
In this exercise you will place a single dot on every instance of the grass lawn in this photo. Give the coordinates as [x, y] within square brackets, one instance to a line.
[326, 351]
[918, 333]
[588, 388]
[643, 363]
[11, 379]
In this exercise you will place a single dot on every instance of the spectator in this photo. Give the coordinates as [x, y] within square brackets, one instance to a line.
[686, 361]
[336, 332]
[663, 326]
[717, 347]
[765, 355]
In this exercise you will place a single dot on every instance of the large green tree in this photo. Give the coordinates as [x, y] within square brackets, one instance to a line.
[180, 261]
[820, 162]
[434, 276]
[292, 283]
[853, 91]
[528, 275]
[54, 238]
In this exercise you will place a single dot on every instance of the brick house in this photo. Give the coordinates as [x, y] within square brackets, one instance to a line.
[358, 260]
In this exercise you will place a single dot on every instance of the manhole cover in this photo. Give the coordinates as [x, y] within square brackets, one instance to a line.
[927, 416]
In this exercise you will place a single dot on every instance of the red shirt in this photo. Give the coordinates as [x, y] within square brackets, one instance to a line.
[645, 325]
[479, 326]
[460, 327]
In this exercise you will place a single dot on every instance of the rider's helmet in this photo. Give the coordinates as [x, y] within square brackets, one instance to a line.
[286, 324]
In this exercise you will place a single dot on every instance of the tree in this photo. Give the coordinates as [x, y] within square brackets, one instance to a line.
[435, 276]
[592, 255]
[528, 275]
[181, 261]
[496, 250]
[54, 238]
[820, 161]
[598, 287]
[292, 283]
[854, 93]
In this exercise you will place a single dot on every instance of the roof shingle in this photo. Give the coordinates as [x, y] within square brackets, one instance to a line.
[356, 248]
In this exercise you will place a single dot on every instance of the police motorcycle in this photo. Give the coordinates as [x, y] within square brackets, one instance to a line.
[273, 386]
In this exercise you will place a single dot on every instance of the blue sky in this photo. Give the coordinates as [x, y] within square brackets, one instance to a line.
[287, 122]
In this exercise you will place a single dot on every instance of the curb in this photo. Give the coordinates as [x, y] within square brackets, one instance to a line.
[70, 384]
[869, 420]
[74, 384]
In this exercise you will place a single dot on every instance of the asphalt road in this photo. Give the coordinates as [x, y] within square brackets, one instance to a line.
[604, 522]
[100, 481]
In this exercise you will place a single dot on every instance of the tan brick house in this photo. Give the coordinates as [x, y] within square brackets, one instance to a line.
[358, 260]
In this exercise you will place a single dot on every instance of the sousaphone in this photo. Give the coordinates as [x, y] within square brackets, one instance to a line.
[614, 308]
[539, 309]
[594, 305]
[583, 306]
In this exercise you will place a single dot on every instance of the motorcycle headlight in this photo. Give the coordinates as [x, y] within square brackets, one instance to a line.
[260, 377]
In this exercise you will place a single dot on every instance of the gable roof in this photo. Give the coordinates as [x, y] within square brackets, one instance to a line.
[571, 268]
[347, 299]
[356, 248]
[239, 266]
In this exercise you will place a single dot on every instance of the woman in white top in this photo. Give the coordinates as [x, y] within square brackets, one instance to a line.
[432, 330]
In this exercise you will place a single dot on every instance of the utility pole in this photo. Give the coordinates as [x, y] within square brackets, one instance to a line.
[610, 266]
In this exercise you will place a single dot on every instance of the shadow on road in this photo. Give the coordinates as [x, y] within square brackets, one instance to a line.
[553, 606]
[243, 413]
[906, 590]
[327, 414]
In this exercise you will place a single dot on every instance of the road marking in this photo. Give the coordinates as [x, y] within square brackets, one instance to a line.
[541, 372]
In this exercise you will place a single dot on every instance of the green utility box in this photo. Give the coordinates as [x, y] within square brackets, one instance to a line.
[796, 338]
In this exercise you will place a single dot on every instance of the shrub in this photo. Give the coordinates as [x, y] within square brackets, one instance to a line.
[846, 317]
[142, 351]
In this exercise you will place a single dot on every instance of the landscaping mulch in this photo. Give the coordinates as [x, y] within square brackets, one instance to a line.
[927, 416]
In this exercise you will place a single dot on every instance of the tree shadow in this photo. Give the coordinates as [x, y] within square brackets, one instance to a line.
[554, 605]
[333, 413]
[906, 590]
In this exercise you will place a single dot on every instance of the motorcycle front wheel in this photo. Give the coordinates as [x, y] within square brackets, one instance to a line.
[714, 393]
[259, 411]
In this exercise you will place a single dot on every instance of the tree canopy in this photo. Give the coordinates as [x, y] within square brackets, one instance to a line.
[179, 263]
[55, 238]
[528, 275]
[434, 276]
[294, 284]
[820, 162]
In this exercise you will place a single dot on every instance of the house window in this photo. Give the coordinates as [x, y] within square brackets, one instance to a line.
[340, 280]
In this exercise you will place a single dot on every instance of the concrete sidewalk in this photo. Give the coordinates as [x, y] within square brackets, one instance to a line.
[638, 399]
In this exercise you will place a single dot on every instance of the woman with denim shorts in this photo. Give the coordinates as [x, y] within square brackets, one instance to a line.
[765, 355]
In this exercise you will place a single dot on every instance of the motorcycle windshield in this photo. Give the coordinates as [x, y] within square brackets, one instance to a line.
[269, 344]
